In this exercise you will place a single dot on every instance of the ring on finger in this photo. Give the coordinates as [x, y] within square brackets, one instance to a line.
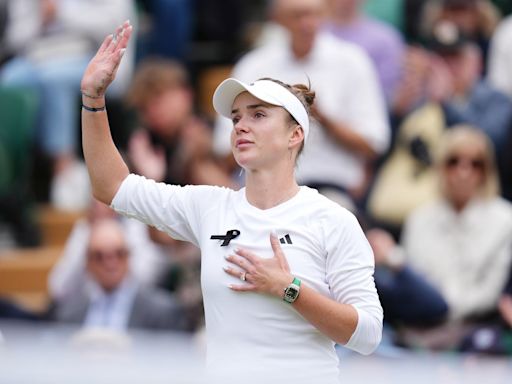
[243, 276]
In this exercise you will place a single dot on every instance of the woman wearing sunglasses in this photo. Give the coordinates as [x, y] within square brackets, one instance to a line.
[462, 241]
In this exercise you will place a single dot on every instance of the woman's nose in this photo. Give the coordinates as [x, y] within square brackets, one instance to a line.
[240, 126]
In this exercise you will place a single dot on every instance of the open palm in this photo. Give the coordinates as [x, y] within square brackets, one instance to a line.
[102, 68]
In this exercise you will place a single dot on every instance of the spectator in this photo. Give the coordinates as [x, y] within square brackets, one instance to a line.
[174, 144]
[448, 90]
[148, 261]
[52, 42]
[461, 242]
[351, 127]
[114, 299]
[382, 42]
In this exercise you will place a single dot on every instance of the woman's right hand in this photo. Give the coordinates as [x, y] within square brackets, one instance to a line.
[102, 68]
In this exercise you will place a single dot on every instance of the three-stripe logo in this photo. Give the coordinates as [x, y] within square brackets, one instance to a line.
[285, 239]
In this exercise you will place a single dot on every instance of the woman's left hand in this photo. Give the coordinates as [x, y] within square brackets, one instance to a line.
[270, 276]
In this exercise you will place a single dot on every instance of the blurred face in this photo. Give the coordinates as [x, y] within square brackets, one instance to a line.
[261, 133]
[166, 112]
[302, 18]
[107, 255]
[463, 174]
[465, 67]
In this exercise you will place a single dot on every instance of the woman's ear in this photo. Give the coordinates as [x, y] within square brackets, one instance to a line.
[297, 137]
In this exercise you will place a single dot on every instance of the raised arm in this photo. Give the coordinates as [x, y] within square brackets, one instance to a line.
[107, 169]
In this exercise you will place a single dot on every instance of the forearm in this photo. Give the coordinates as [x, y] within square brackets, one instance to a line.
[106, 167]
[335, 320]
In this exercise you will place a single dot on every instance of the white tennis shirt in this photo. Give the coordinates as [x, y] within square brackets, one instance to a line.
[253, 333]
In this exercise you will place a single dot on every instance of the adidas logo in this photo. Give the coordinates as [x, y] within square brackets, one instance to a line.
[285, 239]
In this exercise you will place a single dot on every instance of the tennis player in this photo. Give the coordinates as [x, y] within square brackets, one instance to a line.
[286, 273]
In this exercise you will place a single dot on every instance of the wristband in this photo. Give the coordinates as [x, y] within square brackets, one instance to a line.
[90, 109]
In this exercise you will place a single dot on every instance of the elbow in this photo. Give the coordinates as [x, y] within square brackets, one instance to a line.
[371, 345]
[367, 335]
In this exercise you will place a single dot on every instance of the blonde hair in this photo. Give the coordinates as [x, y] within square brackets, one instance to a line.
[463, 136]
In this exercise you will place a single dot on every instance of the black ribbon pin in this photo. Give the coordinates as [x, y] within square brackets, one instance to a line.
[230, 235]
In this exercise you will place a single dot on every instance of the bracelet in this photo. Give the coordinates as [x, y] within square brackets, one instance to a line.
[91, 96]
[90, 109]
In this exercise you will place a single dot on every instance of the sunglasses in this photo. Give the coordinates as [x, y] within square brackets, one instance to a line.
[456, 161]
[101, 255]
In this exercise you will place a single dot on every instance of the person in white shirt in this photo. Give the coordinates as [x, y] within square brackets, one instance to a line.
[460, 242]
[350, 126]
[286, 273]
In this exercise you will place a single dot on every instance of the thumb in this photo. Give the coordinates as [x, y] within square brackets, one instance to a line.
[278, 252]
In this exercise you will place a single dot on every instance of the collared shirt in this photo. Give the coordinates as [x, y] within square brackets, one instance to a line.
[111, 309]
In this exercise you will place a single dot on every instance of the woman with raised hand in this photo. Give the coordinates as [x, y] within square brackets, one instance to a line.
[286, 273]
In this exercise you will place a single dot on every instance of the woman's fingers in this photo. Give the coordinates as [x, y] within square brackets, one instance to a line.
[236, 273]
[105, 43]
[115, 40]
[241, 262]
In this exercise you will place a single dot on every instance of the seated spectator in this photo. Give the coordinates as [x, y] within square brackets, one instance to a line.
[381, 41]
[51, 42]
[113, 299]
[461, 242]
[174, 144]
[148, 261]
[447, 90]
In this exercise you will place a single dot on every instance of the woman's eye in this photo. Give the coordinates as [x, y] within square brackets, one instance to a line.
[235, 120]
[258, 115]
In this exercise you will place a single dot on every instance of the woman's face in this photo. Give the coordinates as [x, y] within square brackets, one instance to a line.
[463, 174]
[261, 133]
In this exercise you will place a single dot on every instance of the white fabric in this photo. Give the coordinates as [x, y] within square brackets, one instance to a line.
[265, 90]
[500, 57]
[347, 91]
[250, 331]
[110, 310]
[466, 256]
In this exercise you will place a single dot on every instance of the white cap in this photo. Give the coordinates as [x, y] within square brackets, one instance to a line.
[265, 90]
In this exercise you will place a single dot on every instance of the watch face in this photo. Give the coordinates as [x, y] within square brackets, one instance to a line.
[291, 293]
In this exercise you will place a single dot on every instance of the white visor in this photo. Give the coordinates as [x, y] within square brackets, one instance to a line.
[265, 90]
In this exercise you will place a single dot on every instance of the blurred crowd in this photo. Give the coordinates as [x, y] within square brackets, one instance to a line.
[411, 131]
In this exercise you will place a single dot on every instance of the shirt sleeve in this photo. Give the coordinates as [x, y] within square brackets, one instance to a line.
[350, 268]
[169, 208]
